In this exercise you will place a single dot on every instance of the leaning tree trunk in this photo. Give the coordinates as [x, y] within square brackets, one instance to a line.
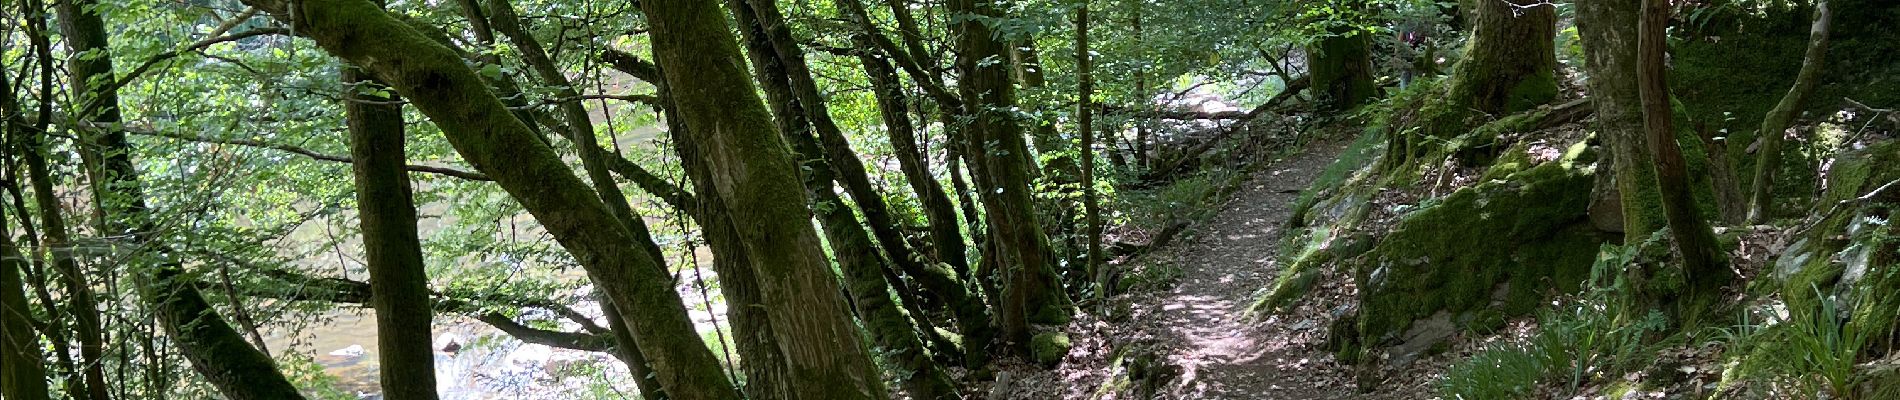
[1608, 31]
[754, 173]
[941, 214]
[1774, 127]
[1341, 67]
[481, 128]
[779, 48]
[22, 365]
[1704, 269]
[1511, 63]
[994, 144]
[580, 131]
[386, 209]
[215, 350]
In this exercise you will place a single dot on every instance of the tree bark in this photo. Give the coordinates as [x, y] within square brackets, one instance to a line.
[753, 172]
[1774, 127]
[57, 240]
[386, 209]
[1608, 30]
[22, 365]
[945, 233]
[804, 103]
[1511, 63]
[1085, 123]
[994, 145]
[1704, 269]
[437, 81]
[1341, 69]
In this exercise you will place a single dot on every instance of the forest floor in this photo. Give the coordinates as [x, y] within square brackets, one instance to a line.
[1198, 329]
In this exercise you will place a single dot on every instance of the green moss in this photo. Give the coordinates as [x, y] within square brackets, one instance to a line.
[1533, 91]
[1526, 229]
[1048, 348]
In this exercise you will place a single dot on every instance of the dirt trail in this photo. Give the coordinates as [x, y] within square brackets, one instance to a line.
[1232, 256]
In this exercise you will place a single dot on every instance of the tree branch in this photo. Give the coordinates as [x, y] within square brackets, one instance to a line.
[458, 173]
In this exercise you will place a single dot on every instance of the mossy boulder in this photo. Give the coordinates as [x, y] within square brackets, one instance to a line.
[1048, 348]
[1500, 245]
[1851, 254]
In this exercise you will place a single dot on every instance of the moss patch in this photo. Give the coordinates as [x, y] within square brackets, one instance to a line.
[1528, 230]
[1048, 348]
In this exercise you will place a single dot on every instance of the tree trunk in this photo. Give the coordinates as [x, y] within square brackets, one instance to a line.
[488, 136]
[1607, 29]
[994, 142]
[215, 350]
[755, 175]
[22, 365]
[807, 103]
[57, 239]
[1774, 127]
[1511, 63]
[386, 209]
[1341, 67]
[1085, 124]
[945, 233]
[580, 131]
[1061, 171]
[1704, 269]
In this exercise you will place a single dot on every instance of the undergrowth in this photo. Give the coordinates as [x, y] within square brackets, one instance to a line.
[1579, 340]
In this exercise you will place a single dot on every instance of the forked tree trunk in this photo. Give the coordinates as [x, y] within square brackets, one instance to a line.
[994, 144]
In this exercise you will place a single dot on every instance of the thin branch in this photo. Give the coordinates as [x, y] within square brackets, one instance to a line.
[458, 173]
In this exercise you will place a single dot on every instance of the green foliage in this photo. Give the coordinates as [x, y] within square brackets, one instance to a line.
[1580, 340]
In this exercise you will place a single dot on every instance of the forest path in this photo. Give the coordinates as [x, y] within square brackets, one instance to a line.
[1221, 353]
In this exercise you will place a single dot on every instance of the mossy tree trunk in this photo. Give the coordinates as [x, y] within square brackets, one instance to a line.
[1000, 159]
[1341, 67]
[1607, 29]
[439, 83]
[214, 348]
[580, 131]
[1060, 171]
[386, 209]
[754, 173]
[1510, 65]
[1774, 126]
[1705, 272]
[863, 267]
[22, 365]
[945, 233]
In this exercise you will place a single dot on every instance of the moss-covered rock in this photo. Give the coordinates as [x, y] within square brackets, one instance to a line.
[1853, 252]
[1048, 348]
[1500, 245]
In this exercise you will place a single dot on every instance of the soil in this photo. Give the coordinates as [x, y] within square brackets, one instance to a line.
[1199, 330]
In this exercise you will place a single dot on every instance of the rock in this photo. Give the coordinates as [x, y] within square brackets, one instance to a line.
[448, 343]
[1421, 337]
[1048, 348]
[354, 351]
